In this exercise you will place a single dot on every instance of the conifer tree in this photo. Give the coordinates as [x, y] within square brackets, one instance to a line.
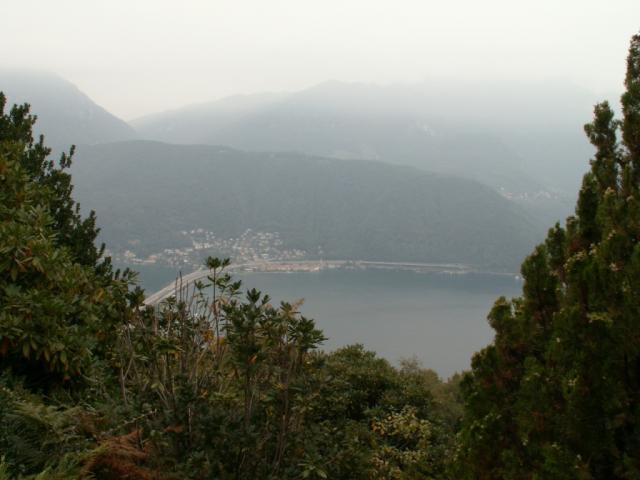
[557, 394]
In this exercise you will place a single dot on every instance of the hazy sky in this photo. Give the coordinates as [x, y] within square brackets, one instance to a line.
[139, 56]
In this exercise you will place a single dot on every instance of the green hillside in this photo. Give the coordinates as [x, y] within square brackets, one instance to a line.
[146, 193]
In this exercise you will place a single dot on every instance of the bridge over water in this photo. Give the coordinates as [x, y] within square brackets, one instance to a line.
[302, 265]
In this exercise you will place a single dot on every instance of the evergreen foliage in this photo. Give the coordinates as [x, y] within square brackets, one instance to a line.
[557, 394]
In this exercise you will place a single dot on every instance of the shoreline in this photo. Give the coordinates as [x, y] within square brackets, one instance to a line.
[313, 266]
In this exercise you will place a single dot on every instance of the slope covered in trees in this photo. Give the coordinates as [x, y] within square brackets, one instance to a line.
[557, 395]
[147, 192]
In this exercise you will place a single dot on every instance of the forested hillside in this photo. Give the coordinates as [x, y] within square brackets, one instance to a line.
[146, 193]
[508, 137]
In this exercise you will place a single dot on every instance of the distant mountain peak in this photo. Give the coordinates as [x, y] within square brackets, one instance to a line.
[66, 114]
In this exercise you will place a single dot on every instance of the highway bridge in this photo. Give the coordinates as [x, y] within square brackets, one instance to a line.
[303, 265]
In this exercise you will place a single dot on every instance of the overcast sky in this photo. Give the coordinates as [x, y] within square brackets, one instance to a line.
[140, 56]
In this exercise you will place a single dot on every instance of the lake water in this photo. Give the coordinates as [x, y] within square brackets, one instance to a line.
[438, 318]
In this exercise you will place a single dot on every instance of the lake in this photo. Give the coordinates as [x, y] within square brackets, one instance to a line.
[438, 318]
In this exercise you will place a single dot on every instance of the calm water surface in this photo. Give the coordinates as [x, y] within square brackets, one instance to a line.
[439, 318]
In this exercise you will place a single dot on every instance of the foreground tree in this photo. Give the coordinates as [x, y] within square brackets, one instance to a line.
[58, 300]
[74, 232]
[557, 394]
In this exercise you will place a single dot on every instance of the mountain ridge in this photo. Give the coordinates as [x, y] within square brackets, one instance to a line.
[66, 114]
[348, 209]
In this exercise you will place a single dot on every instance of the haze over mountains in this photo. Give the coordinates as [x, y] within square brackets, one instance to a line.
[505, 137]
[65, 114]
[340, 170]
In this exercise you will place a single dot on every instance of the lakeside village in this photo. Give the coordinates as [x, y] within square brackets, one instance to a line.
[256, 251]
[252, 247]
